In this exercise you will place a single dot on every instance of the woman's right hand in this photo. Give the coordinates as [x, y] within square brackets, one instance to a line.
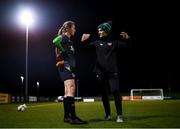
[60, 63]
[85, 37]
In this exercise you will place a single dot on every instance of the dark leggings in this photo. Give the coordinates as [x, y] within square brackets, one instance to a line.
[113, 80]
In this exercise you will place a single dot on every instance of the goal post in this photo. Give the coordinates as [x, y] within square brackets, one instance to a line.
[146, 94]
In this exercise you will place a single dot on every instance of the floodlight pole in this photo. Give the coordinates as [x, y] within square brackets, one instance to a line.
[22, 96]
[26, 71]
[37, 83]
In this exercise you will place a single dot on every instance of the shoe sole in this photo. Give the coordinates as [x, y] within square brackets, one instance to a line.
[119, 121]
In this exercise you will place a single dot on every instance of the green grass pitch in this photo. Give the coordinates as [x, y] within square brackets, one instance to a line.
[137, 114]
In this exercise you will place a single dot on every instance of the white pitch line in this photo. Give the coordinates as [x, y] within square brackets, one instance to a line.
[41, 105]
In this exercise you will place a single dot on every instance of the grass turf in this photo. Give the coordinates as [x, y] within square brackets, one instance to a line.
[137, 114]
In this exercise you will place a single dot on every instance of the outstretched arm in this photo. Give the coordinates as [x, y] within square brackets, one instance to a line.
[85, 37]
[87, 40]
[124, 41]
[124, 35]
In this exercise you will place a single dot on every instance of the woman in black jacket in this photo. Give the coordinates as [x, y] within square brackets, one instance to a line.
[106, 68]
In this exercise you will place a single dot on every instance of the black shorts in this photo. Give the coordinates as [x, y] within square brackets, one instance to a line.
[66, 74]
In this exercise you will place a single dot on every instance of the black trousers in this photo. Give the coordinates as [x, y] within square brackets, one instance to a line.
[113, 80]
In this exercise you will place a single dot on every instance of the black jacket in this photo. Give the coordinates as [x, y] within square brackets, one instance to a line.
[106, 51]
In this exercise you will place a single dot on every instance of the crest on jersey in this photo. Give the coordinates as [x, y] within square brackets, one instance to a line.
[73, 75]
[72, 48]
[109, 43]
[68, 68]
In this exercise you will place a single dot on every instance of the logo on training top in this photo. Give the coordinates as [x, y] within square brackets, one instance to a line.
[101, 44]
[109, 44]
[72, 48]
[73, 75]
[68, 68]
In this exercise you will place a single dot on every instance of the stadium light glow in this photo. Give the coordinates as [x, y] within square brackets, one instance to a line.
[26, 17]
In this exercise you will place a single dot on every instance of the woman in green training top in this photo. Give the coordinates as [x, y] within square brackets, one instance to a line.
[66, 65]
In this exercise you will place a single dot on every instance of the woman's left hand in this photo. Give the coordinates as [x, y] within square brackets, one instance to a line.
[124, 35]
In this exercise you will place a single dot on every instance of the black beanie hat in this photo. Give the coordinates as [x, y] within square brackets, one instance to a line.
[106, 26]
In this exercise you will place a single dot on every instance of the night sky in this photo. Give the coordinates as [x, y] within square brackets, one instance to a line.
[142, 65]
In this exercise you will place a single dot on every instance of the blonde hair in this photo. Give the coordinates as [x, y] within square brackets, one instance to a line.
[65, 26]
